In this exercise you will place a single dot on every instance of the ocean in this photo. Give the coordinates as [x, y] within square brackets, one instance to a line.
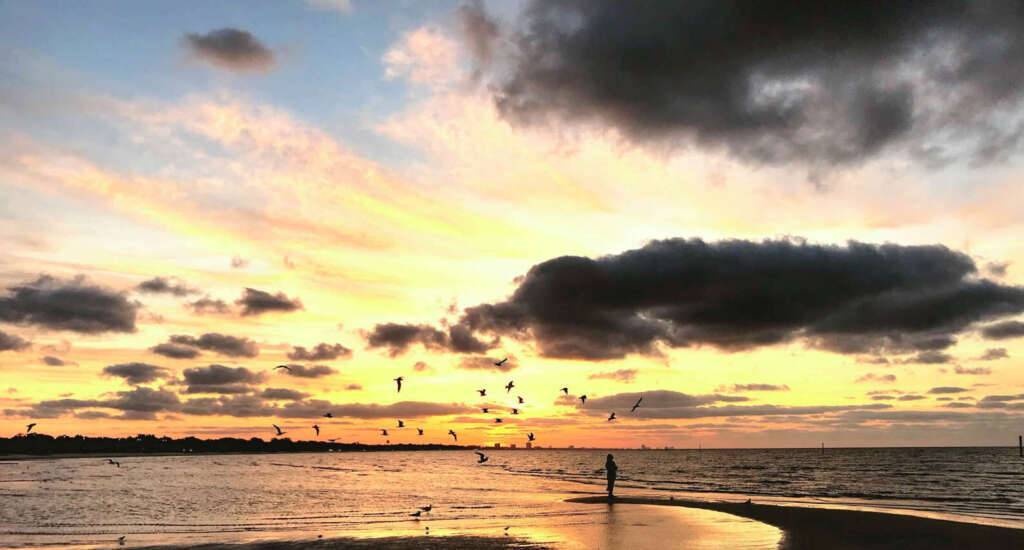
[233, 498]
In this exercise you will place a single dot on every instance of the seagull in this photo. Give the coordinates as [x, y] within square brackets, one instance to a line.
[529, 436]
[419, 431]
[317, 428]
[521, 400]
[328, 415]
[515, 411]
[427, 508]
[278, 428]
[416, 514]
[399, 382]
[483, 393]
[500, 363]
[452, 433]
[583, 399]
[637, 404]
[483, 458]
[401, 424]
[485, 410]
[120, 540]
[383, 432]
[611, 417]
[497, 421]
[285, 367]
[509, 386]
[565, 391]
[29, 427]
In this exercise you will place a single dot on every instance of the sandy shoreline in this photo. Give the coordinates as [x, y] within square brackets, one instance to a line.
[815, 528]
[388, 543]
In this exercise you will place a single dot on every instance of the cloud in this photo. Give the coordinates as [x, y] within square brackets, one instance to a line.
[258, 302]
[1003, 330]
[231, 49]
[856, 298]
[73, 305]
[165, 285]
[981, 371]
[237, 262]
[754, 387]
[401, 409]
[482, 362]
[316, 371]
[207, 304]
[231, 346]
[833, 83]
[137, 403]
[872, 377]
[241, 406]
[353, 387]
[997, 269]
[54, 361]
[670, 404]
[283, 394]
[13, 342]
[320, 352]
[929, 358]
[137, 373]
[993, 354]
[911, 397]
[947, 389]
[421, 366]
[479, 32]
[397, 338]
[220, 379]
[340, 6]
[175, 351]
[621, 375]
[423, 56]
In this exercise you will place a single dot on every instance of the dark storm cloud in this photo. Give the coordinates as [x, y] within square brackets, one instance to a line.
[993, 354]
[821, 82]
[258, 302]
[1003, 330]
[231, 49]
[397, 338]
[320, 352]
[231, 346]
[12, 342]
[755, 387]
[165, 285]
[207, 304]
[282, 394]
[947, 389]
[175, 351]
[315, 371]
[136, 373]
[856, 298]
[621, 375]
[73, 305]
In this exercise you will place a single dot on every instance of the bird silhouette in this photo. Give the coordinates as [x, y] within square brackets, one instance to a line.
[285, 367]
[416, 514]
[521, 400]
[485, 410]
[419, 431]
[583, 399]
[497, 421]
[113, 462]
[328, 415]
[611, 417]
[637, 404]
[515, 411]
[333, 440]
[509, 386]
[399, 382]
[500, 363]
[28, 429]
[401, 424]
[482, 392]
[452, 433]
[120, 540]
[483, 458]
[565, 391]
[529, 436]
[317, 429]
[383, 432]
[427, 508]
[278, 428]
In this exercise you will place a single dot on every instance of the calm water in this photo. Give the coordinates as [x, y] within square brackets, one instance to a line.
[247, 497]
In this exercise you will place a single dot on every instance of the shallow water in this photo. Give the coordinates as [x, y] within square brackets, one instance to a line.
[187, 499]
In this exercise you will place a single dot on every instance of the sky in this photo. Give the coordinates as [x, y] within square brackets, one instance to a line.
[779, 224]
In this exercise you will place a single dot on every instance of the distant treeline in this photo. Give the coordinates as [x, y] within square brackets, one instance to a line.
[42, 444]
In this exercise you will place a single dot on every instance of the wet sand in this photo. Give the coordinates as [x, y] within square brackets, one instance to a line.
[386, 543]
[814, 528]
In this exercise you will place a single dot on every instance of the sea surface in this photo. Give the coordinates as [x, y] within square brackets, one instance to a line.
[192, 498]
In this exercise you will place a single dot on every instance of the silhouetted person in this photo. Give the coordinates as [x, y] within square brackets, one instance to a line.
[612, 470]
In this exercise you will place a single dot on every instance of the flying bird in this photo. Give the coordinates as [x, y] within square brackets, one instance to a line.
[500, 363]
[637, 404]
[29, 427]
[611, 417]
[113, 462]
[452, 433]
[515, 411]
[328, 415]
[317, 428]
[419, 431]
[497, 421]
[521, 400]
[401, 424]
[399, 382]
[285, 367]
[278, 428]
[383, 432]
[583, 399]
[529, 436]
[483, 392]
[483, 458]
[565, 391]
[485, 410]
[509, 386]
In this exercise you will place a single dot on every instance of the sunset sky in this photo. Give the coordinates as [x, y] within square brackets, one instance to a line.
[780, 226]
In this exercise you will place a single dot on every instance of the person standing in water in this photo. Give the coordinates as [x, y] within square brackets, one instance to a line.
[612, 469]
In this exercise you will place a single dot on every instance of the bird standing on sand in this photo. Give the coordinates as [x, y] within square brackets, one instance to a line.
[637, 404]
[317, 429]
[500, 363]
[565, 391]
[509, 386]
[482, 392]
[383, 432]
[399, 382]
[401, 424]
[583, 399]
[529, 436]
[483, 458]
[285, 367]
[113, 462]
[611, 417]
[452, 433]
[28, 429]
[419, 431]
[278, 428]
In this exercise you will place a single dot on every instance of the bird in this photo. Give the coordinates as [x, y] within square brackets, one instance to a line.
[383, 432]
[317, 429]
[565, 391]
[328, 415]
[113, 462]
[419, 431]
[483, 458]
[416, 514]
[509, 386]
[506, 529]
[401, 424]
[500, 363]
[427, 508]
[333, 440]
[521, 400]
[120, 540]
[485, 410]
[452, 433]
[529, 436]
[482, 392]
[278, 428]
[399, 382]
[583, 399]
[637, 404]
[285, 367]
[497, 421]
[29, 427]
[515, 411]
[611, 417]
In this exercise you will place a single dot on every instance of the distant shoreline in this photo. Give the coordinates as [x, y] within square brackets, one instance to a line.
[807, 528]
